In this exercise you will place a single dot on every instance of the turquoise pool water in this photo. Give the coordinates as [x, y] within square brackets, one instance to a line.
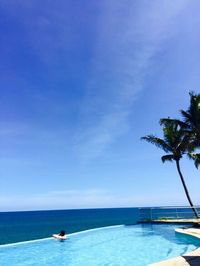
[136, 245]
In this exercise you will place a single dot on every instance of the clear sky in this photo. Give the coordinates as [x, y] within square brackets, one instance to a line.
[81, 82]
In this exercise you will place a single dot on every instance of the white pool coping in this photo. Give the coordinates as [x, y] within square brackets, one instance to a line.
[68, 235]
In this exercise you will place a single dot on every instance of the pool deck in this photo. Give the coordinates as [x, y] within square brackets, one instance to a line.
[189, 259]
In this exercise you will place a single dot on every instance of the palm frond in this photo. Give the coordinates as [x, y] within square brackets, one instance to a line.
[186, 144]
[186, 116]
[168, 158]
[192, 115]
[160, 143]
[195, 157]
[168, 121]
[173, 135]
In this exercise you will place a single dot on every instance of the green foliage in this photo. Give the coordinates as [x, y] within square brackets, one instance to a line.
[195, 157]
[180, 138]
[190, 126]
[174, 141]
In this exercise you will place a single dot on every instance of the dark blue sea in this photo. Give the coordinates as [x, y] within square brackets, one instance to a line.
[30, 225]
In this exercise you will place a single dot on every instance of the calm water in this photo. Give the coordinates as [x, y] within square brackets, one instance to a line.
[22, 226]
[137, 245]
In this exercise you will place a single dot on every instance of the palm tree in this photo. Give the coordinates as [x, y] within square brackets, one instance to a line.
[191, 119]
[190, 125]
[175, 144]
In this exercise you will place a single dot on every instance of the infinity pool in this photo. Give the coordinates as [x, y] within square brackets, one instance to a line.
[136, 245]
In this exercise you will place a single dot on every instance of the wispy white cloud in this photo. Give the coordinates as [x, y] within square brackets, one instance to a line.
[129, 36]
[90, 198]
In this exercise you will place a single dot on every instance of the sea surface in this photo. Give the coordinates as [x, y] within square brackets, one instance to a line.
[30, 225]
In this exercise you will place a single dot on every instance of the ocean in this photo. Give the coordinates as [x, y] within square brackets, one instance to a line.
[30, 225]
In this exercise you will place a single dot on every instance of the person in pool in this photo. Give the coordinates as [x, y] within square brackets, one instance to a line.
[61, 235]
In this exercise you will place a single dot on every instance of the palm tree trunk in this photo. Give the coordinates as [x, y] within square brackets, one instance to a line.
[186, 190]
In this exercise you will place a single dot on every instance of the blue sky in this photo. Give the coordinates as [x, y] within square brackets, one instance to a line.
[81, 82]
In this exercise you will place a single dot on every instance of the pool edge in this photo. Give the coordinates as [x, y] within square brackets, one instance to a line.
[48, 238]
